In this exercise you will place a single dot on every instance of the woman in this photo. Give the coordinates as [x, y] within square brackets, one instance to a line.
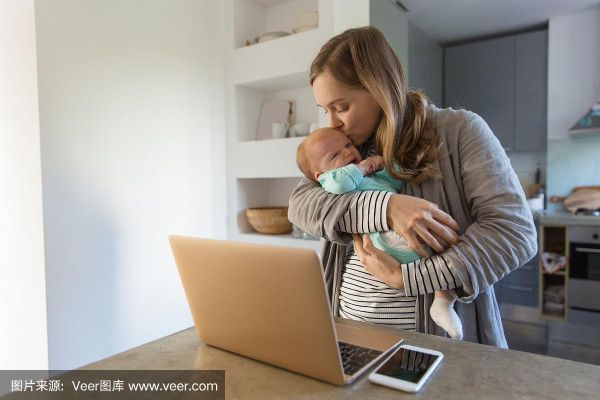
[462, 198]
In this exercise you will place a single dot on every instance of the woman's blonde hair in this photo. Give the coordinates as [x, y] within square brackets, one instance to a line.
[361, 58]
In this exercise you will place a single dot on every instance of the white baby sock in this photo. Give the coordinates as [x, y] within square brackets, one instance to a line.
[445, 317]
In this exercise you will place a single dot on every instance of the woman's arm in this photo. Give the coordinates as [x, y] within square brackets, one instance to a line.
[502, 236]
[335, 217]
[419, 277]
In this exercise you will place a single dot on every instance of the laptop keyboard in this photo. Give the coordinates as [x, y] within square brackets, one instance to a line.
[355, 357]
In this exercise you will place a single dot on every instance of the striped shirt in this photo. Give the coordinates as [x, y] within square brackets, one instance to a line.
[365, 297]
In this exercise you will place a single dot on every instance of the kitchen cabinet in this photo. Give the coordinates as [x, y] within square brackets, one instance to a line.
[531, 77]
[531, 286]
[480, 77]
[520, 286]
[504, 81]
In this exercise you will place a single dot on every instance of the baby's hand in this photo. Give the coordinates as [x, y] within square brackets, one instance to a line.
[370, 165]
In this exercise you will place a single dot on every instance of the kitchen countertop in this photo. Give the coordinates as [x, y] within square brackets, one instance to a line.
[566, 218]
[468, 371]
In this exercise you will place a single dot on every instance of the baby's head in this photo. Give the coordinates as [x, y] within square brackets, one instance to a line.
[325, 149]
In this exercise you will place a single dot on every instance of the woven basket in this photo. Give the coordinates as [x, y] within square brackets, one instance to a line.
[271, 220]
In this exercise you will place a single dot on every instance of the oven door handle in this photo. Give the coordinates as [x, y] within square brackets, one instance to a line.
[587, 250]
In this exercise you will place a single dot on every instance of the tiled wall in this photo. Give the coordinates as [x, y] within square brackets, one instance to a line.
[525, 165]
[572, 162]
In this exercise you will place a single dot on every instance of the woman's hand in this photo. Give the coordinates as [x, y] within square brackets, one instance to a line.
[419, 220]
[377, 262]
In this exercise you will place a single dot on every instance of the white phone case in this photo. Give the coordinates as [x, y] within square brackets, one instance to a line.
[404, 385]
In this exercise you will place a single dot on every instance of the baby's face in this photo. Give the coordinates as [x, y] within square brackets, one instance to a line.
[334, 151]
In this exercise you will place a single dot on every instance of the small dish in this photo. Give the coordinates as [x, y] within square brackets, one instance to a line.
[271, 35]
[305, 28]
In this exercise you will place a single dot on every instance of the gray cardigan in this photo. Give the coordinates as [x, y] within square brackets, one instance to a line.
[479, 189]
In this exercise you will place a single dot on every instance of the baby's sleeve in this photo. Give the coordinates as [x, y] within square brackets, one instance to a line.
[341, 180]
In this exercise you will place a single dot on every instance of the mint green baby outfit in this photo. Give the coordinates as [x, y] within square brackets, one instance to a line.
[349, 178]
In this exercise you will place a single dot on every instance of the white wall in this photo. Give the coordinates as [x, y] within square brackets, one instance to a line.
[132, 114]
[23, 330]
[574, 69]
[350, 14]
[525, 165]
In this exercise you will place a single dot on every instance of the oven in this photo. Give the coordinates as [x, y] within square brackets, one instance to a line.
[584, 268]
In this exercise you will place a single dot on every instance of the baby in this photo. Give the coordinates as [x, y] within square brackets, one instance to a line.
[327, 156]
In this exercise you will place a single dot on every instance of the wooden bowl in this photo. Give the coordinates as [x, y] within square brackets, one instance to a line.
[271, 220]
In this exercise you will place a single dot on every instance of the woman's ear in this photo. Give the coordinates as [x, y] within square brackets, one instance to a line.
[317, 174]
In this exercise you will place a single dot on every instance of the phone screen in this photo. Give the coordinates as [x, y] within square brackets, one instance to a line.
[408, 365]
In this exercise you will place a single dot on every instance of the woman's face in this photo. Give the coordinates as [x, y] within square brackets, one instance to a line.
[353, 111]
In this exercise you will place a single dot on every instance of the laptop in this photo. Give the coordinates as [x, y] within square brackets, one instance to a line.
[270, 303]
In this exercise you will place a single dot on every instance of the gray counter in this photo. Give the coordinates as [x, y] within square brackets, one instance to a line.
[563, 218]
[469, 371]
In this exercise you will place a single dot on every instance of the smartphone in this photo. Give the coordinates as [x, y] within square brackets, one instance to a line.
[407, 369]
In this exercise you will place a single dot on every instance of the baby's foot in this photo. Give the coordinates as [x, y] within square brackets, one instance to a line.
[445, 317]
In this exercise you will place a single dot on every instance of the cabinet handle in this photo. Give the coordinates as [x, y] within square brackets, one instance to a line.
[587, 250]
[521, 288]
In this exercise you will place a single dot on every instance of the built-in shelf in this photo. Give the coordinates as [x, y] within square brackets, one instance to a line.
[554, 316]
[274, 158]
[259, 192]
[249, 102]
[289, 56]
[554, 239]
[281, 81]
[263, 173]
[251, 18]
[557, 273]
